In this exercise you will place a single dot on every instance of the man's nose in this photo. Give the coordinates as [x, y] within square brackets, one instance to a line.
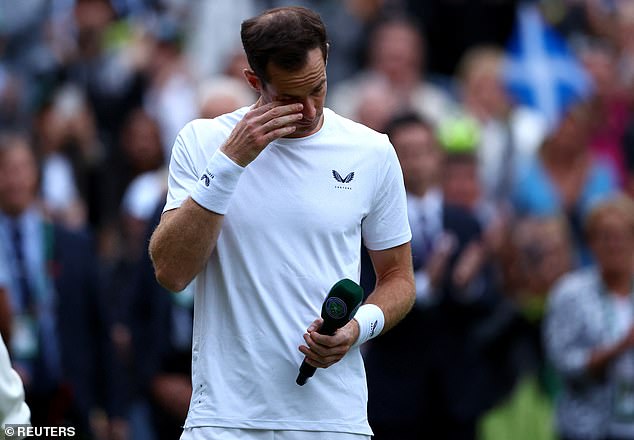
[310, 109]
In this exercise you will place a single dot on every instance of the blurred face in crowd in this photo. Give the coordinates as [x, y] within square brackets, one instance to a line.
[461, 184]
[419, 155]
[377, 104]
[219, 105]
[18, 177]
[570, 137]
[601, 63]
[483, 89]
[142, 142]
[625, 25]
[545, 252]
[92, 17]
[396, 51]
[306, 86]
[611, 238]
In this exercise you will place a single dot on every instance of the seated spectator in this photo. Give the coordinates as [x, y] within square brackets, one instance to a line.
[589, 330]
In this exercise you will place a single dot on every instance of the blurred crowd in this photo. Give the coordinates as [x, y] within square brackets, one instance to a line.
[507, 200]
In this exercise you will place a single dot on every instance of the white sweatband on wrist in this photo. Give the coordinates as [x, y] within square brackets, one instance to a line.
[371, 321]
[214, 189]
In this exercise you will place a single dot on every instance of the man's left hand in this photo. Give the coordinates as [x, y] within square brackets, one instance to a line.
[322, 351]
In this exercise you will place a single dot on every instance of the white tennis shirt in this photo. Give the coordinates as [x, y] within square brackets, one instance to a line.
[293, 228]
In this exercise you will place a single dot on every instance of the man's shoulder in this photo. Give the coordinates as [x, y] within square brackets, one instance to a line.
[209, 125]
[348, 126]
[209, 131]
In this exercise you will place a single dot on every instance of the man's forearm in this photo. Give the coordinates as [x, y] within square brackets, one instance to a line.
[182, 243]
[395, 295]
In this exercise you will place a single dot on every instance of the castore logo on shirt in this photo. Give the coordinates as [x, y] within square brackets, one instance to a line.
[338, 178]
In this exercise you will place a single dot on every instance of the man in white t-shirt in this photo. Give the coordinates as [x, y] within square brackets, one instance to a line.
[266, 209]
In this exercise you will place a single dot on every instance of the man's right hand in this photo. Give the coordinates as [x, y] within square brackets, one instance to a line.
[259, 127]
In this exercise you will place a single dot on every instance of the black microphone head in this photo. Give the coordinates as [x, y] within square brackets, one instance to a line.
[340, 305]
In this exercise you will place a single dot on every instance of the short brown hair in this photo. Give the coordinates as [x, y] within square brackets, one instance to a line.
[282, 36]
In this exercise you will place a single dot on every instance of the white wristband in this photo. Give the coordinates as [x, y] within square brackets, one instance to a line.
[214, 189]
[371, 321]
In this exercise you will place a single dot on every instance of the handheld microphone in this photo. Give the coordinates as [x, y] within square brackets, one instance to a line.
[338, 309]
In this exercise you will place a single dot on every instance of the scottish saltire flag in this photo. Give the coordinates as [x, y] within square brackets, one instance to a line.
[541, 71]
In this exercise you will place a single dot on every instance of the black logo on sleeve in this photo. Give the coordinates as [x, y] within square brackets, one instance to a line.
[206, 178]
[340, 179]
[373, 327]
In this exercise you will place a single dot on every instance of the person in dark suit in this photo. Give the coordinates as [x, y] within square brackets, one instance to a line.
[430, 377]
[158, 362]
[57, 332]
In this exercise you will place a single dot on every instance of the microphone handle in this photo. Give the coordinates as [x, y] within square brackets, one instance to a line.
[306, 370]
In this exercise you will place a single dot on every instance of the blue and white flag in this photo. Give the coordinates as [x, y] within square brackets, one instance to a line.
[541, 71]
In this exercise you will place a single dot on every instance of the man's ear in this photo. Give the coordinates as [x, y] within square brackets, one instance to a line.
[253, 80]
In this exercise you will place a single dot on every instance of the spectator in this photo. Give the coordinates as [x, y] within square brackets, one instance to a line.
[396, 54]
[440, 389]
[222, 94]
[538, 252]
[138, 153]
[376, 104]
[589, 330]
[57, 341]
[217, 22]
[461, 180]
[170, 97]
[609, 107]
[111, 75]
[509, 134]
[565, 179]
[163, 342]
[71, 154]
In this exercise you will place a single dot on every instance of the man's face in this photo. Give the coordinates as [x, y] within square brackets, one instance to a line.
[461, 185]
[418, 154]
[306, 86]
[612, 242]
[18, 180]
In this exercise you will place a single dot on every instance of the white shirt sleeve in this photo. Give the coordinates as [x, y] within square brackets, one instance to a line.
[12, 406]
[183, 173]
[386, 224]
